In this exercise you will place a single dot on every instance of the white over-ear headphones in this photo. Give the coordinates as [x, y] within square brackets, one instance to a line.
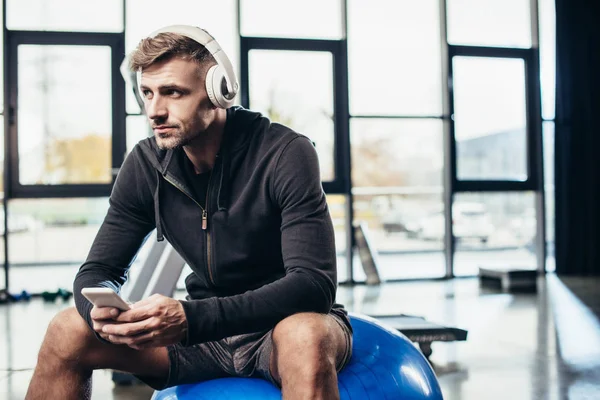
[221, 83]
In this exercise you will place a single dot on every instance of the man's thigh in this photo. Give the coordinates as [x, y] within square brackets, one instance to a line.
[72, 340]
[246, 355]
[342, 347]
[197, 363]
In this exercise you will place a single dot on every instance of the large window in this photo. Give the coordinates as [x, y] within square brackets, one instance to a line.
[49, 239]
[307, 19]
[396, 133]
[304, 103]
[496, 172]
[67, 118]
[65, 15]
[427, 129]
[501, 23]
[547, 57]
[397, 187]
[490, 118]
[548, 84]
[64, 116]
[2, 74]
[494, 230]
[338, 208]
[3, 271]
[394, 58]
[548, 132]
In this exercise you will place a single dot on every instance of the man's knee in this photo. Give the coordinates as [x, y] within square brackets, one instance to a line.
[311, 332]
[68, 337]
[305, 348]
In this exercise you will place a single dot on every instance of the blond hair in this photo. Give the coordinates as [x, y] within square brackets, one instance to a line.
[166, 46]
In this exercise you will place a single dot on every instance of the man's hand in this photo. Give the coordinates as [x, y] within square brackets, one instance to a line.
[102, 316]
[153, 322]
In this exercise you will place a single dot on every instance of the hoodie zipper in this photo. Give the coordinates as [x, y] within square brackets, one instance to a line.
[204, 222]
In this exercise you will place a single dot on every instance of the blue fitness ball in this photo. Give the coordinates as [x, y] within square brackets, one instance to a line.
[384, 365]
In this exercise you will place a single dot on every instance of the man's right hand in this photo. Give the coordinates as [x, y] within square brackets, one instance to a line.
[102, 316]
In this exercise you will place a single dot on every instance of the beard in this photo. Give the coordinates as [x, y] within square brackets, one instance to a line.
[173, 139]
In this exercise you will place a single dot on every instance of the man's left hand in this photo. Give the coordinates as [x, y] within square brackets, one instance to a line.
[153, 322]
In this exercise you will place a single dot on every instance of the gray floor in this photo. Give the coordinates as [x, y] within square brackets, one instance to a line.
[520, 346]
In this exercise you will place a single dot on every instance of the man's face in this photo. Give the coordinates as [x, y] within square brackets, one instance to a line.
[176, 102]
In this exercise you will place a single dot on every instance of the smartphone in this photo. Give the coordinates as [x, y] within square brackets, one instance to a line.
[105, 297]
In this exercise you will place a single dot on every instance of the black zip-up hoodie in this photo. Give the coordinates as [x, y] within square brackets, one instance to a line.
[268, 251]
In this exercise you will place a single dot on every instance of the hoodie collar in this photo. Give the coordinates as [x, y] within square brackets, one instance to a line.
[236, 136]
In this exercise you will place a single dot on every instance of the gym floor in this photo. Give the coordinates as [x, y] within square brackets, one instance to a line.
[543, 345]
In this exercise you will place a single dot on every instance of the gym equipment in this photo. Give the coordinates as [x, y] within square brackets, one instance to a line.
[221, 82]
[158, 274]
[6, 297]
[421, 331]
[52, 296]
[367, 253]
[384, 365]
[416, 328]
[509, 279]
[23, 296]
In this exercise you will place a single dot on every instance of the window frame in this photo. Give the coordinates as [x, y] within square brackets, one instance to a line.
[341, 182]
[13, 187]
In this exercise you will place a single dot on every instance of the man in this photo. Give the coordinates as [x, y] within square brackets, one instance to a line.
[240, 199]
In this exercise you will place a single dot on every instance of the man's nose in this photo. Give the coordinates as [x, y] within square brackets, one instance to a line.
[156, 108]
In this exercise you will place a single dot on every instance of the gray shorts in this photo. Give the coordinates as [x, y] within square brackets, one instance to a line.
[246, 355]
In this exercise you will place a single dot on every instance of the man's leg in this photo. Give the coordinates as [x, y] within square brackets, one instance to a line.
[70, 352]
[307, 348]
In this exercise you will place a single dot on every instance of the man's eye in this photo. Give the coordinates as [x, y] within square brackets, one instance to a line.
[174, 92]
[146, 93]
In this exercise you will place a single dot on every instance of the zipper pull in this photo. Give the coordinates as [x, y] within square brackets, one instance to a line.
[204, 220]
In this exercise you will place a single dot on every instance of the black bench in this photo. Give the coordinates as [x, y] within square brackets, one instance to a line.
[421, 331]
[509, 278]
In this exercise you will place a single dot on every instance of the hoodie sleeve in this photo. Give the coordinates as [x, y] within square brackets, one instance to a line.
[308, 251]
[124, 229]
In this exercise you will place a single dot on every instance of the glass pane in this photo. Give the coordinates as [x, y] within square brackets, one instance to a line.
[490, 118]
[49, 239]
[398, 193]
[324, 18]
[1, 65]
[337, 209]
[547, 15]
[65, 121]
[394, 57]
[304, 103]
[494, 230]
[217, 17]
[131, 104]
[2, 273]
[548, 131]
[501, 23]
[137, 129]
[65, 15]
[1, 159]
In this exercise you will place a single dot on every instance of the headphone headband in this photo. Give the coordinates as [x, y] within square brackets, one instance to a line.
[202, 37]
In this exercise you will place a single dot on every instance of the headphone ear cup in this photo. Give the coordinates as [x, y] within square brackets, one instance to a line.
[216, 87]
